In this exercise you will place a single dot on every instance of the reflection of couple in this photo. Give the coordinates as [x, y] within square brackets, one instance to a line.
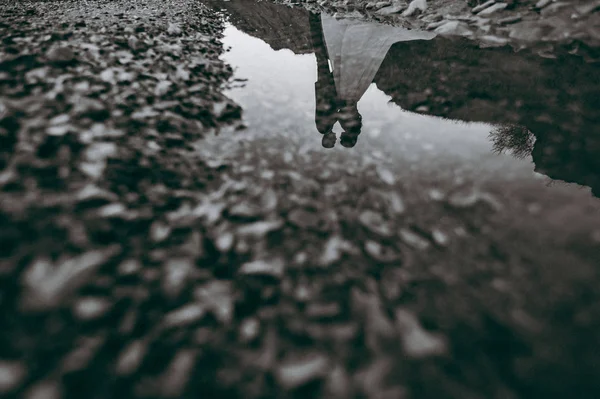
[355, 51]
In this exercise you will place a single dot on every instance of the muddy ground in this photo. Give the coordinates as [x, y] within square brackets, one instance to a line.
[132, 264]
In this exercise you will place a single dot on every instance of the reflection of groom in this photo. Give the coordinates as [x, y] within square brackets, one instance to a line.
[355, 50]
[329, 107]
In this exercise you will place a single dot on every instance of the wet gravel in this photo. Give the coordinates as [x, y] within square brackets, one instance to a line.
[550, 28]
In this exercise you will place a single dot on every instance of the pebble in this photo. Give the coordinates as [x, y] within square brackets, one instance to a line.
[249, 329]
[386, 176]
[176, 273]
[333, 250]
[492, 9]
[414, 240]
[86, 349]
[61, 55]
[303, 218]
[129, 267]
[185, 316]
[174, 29]
[542, 3]
[375, 223]
[323, 310]
[414, 7]
[260, 229]
[217, 296]
[295, 373]
[389, 10]
[464, 199]
[46, 389]
[510, 20]
[12, 374]
[483, 6]
[224, 242]
[178, 373]
[417, 342]
[273, 268]
[454, 28]
[91, 308]
[381, 253]
[440, 237]
[131, 358]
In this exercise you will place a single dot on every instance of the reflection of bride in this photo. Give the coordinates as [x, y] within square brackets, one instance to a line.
[349, 54]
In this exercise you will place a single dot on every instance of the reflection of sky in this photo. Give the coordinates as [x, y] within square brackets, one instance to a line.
[280, 94]
[279, 97]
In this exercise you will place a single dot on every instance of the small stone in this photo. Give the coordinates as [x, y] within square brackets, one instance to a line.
[59, 130]
[185, 316]
[162, 88]
[129, 267]
[178, 373]
[333, 250]
[381, 253]
[131, 358]
[436, 195]
[338, 384]
[176, 273]
[510, 20]
[46, 389]
[464, 199]
[415, 6]
[133, 43]
[86, 349]
[375, 223]
[393, 9]
[418, 343]
[91, 308]
[440, 238]
[483, 6]
[303, 218]
[174, 29]
[12, 374]
[386, 176]
[260, 229]
[217, 296]
[323, 310]
[492, 9]
[542, 3]
[454, 28]
[61, 56]
[245, 210]
[272, 268]
[249, 329]
[159, 231]
[224, 242]
[414, 240]
[295, 373]
[380, 4]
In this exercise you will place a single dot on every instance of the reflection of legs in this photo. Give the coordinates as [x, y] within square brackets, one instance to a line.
[351, 122]
[325, 93]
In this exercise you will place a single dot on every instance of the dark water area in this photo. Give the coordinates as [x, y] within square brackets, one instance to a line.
[540, 109]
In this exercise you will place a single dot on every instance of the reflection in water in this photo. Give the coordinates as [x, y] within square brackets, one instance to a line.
[546, 109]
[355, 51]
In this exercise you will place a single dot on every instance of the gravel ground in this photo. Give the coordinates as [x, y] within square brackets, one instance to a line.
[549, 27]
[133, 263]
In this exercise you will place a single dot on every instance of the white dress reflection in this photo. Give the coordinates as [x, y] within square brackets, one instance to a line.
[349, 53]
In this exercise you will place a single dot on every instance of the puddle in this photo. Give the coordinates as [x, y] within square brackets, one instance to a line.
[439, 114]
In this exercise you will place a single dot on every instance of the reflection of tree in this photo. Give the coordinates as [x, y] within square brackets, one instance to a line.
[514, 138]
